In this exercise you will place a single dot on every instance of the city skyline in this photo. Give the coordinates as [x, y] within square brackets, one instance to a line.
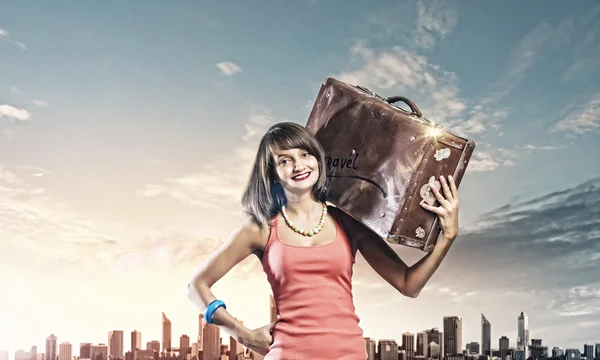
[137, 338]
[127, 132]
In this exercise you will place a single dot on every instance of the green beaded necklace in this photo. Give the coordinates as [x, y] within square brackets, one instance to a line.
[301, 231]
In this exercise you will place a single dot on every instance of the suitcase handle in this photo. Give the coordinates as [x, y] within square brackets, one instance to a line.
[413, 107]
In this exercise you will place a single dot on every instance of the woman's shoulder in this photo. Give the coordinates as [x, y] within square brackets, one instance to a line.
[252, 231]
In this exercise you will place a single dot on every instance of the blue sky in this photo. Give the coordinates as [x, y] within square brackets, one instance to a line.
[126, 131]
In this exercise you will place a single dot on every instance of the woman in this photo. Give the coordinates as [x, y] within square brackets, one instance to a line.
[307, 255]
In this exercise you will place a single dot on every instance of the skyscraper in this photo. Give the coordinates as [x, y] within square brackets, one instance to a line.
[166, 333]
[486, 336]
[503, 347]
[537, 350]
[523, 334]
[211, 345]
[434, 337]
[51, 350]
[473, 348]
[371, 347]
[557, 351]
[153, 345]
[388, 350]
[85, 350]
[115, 344]
[99, 352]
[184, 345]
[65, 351]
[408, 343]
[597, 356]
[573, 354]
[422, 342]
[21, 355]
[136, 341]
[200, 331]
[588, 351]
[452, 335]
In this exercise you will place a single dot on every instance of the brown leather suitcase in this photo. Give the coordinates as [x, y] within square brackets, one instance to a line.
[382, 160]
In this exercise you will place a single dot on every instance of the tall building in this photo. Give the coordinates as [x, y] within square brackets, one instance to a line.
[51, 348]
[434, 336]
[153, 345]
[597, 353]
[573, 354]
[371, 348]
[212, 344]
[85, 351]
[166, 333]
[3, 355]
[184, 345]
[503, 346]
[588, 351]
[115, 344]
[194, 355]
[200, 331]
[472, 348]
[422, 343]
[434, 350]
[486, 336]
[523, 334]
[557, 351]
[452, 335]
[100, 352]
[65, 351]
[387, 349]
[538, 351]
[21, 355]
[33, 353]
[408, 344]
[136, 341]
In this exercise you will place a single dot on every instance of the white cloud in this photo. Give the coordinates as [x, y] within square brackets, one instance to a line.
[15, 90]
[483, 161]
[585, 119]
[13, 113]
[4, 34]
[8, 177]
[435, 21]
[219, 183]
[228, 68]
[481, 117]
[398, 71]
[39, 234]
[534, 46]
[535, 147]
[587, 51]
[35, 171]
[21, 45]
[40, 103]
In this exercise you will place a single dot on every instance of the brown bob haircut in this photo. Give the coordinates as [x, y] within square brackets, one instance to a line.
[263, 196]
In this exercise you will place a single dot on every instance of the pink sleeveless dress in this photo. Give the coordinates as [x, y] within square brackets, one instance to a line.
[312, 289]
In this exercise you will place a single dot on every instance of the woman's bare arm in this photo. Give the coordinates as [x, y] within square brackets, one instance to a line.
[239, 246]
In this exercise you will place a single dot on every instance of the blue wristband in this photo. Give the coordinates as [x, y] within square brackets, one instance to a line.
[211, 308]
